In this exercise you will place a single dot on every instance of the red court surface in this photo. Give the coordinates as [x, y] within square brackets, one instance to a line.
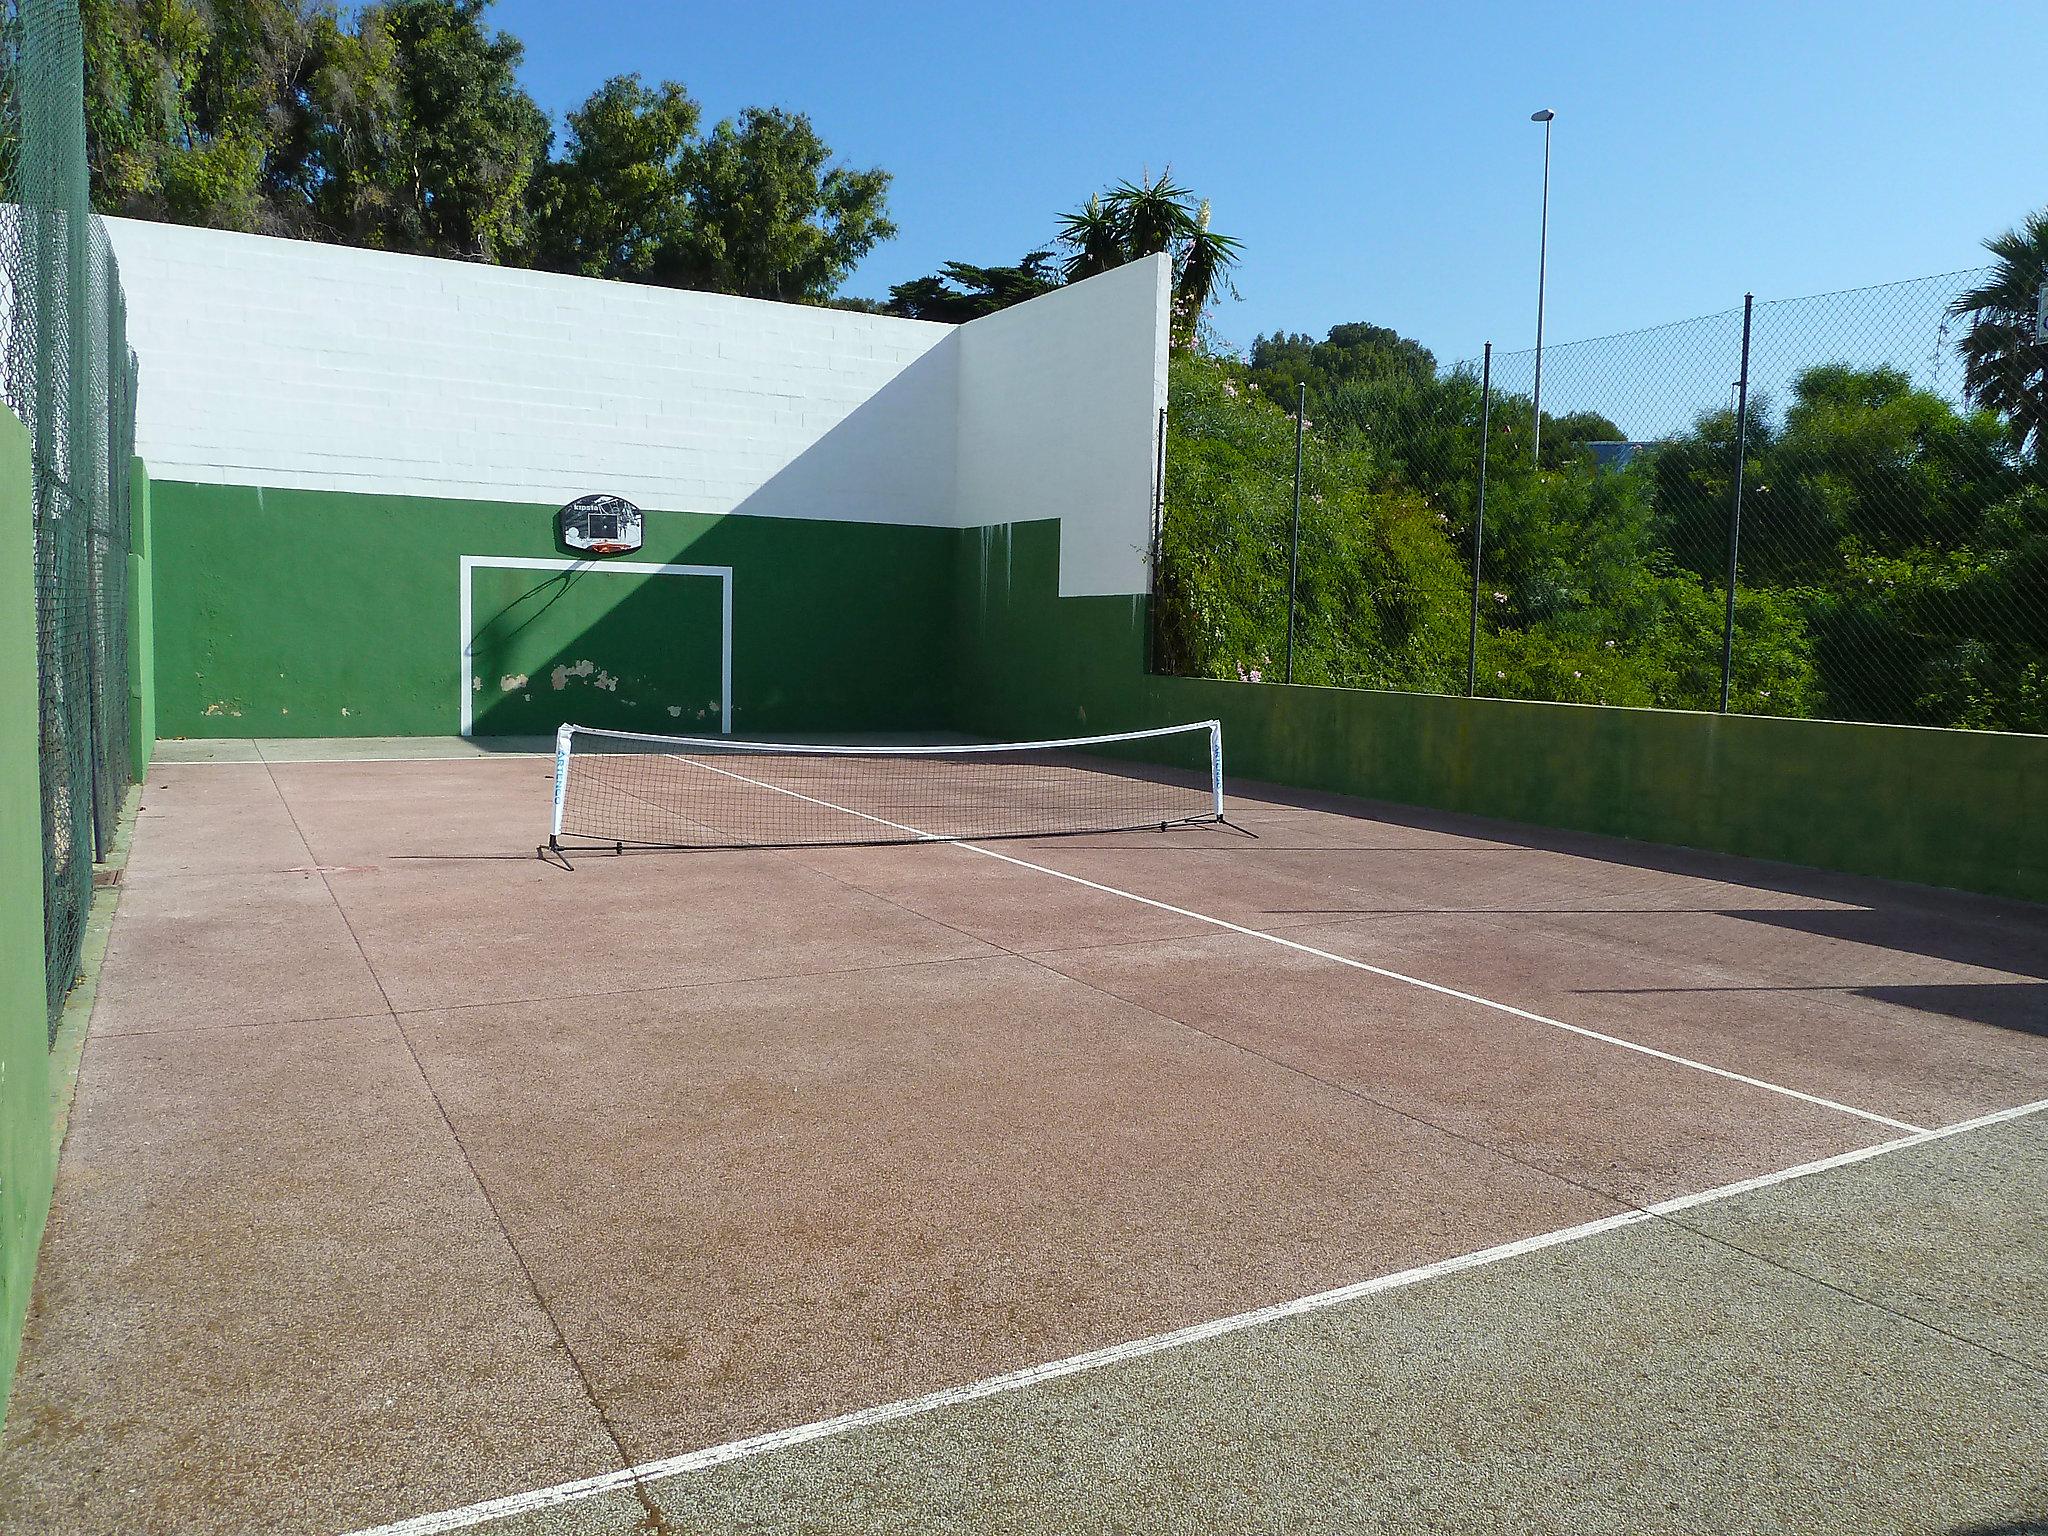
[410, 1171]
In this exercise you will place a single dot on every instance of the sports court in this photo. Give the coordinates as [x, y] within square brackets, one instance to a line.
[641, 935]
[1332, 1167]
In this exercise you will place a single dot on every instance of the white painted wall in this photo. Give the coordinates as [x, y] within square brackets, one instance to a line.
[1059, 414]
[297, 365]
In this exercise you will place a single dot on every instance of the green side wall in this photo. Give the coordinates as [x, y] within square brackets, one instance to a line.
[1949, 808]
[321, 613]
[141, 623]
[25, 1157]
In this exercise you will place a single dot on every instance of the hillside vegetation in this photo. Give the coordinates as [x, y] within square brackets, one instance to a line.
[1894, 562]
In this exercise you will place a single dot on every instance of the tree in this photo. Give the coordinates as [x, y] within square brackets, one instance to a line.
[1381, 589]
[400, 124]
[2005, 363]
[1565, 437]
[960, 291]
[343, 129]
[1153, 218]
[191, 110]
[464, 140]
[770, 216]
[1356, 353]
[615, 202]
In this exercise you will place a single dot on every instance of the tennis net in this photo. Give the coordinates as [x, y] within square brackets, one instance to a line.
[625, 788]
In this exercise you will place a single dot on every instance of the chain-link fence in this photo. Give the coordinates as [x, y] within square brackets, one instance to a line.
[69, 376]
[1865, 472]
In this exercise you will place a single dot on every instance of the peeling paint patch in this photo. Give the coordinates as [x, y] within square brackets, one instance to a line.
[607, 682]
[223, 707]
[561, 675]
[476, 685]
[511, 681]
[675, 711]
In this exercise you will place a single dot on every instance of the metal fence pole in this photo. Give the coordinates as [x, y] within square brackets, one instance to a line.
[1294, 537]
[1735, 505]
[80, 471]
[1479, 517]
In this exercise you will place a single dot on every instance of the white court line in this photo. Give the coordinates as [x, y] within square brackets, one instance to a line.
[1337, 959]
[342, 762]
[1159, 1343]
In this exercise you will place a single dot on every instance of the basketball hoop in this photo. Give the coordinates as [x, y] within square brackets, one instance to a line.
[600, 525]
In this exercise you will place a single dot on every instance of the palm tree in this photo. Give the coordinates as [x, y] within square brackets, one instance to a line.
[2005, 357]
[1202, 270]
[1152, 218]
[1095, 236]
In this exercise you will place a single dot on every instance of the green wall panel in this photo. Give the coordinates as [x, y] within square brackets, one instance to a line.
[25, 1164]
[1951, 808]
[321, 613]
[141, 623]
[597, 646]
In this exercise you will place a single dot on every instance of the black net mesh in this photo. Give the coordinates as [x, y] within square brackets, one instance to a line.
[692, 792]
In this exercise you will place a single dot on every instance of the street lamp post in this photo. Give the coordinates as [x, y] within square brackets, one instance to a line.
[1545, 117]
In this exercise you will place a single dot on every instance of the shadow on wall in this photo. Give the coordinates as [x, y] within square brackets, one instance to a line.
[888, 460]
[843, 597]
[617, 650]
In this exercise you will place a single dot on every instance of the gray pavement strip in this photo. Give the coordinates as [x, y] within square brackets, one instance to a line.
[1650, 1379]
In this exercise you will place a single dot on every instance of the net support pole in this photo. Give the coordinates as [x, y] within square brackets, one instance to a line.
[1735, 504]
[563, 733]
[1479, 517]
[1216, 764]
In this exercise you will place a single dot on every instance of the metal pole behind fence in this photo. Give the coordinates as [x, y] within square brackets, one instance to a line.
[1294, 537]
[1479, 518]
[1735, 505]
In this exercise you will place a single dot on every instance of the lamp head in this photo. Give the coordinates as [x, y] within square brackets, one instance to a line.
[1543, 116]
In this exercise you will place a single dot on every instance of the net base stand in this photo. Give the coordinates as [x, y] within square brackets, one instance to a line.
[553, 845]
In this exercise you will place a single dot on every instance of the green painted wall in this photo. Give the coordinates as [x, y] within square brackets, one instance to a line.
[613, 649]
[141, 623]
[1950, 808]
[318, 613]
[25, 1161]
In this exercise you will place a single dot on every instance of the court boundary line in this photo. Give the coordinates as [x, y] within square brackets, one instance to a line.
[562, 1494]
[1348, 961]
[344, 762]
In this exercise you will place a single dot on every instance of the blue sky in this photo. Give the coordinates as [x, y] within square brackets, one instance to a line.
[1377, 160]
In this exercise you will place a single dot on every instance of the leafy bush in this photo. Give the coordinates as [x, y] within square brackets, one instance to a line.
[1894, 547]
[1381, 588]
